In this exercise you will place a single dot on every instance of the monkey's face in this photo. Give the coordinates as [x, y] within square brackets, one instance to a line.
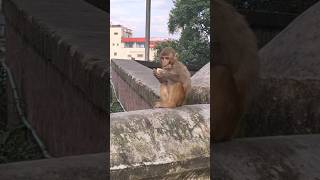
[165, 60]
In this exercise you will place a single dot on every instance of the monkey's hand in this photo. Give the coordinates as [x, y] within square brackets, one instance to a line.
[158, 73]
[155, 72]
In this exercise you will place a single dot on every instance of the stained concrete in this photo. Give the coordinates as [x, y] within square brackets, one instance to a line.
[272, 158]
[141, 80]
[195, 169]
[57, 51]
[85, 167]
[287, 99]
[159, 136]
[200, 91]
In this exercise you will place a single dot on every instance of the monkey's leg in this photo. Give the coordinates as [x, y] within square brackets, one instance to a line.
[167, 104]
[163, 95]
[174, 97]
[178, 94]
[226, 110]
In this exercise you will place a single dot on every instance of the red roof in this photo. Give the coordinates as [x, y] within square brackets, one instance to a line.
[132, 39]
[141, 40]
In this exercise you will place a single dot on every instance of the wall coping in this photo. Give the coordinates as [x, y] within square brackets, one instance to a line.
[84, 167]
[141, 79]
[280, 157]
[75, 42]
[159, 136]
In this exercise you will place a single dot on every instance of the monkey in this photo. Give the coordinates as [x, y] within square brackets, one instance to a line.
[235, 69]
[174, 78]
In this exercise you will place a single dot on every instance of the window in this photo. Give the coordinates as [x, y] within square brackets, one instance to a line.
[140, 45]
[129, 56]
[115, 54]
[113, 44]
[116, 33]
[139, 55]
[128, 45]
[117, 44]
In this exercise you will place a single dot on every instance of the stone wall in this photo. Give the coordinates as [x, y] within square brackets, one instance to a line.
[59, 66]
[84, 167]
[288, 95]
[137, 88]
[134, 84]
[278, 157]
[161, 143]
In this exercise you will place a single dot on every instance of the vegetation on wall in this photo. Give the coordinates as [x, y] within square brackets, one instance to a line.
[16, 143]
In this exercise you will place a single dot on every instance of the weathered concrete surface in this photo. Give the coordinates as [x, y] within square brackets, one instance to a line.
[135, 85]
[159, 136]
[85, 167]
[200, 81]
[197, 168]
[272, 158]
[137, 88]
[59, 66]
[288, 96]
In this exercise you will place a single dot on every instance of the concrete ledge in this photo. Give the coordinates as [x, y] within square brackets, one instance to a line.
[85, 167]
[197, 168]
[135, 85]
[57, 52]
[279, 157]
[284, 107]
[137, 88]
[159, 136]
[75, 42]
[288, 100]
[200, 91]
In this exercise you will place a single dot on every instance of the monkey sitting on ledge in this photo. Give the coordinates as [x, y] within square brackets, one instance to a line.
[174, 78]
[235, 68]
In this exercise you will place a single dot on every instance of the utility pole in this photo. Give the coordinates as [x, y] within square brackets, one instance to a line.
[147, 36]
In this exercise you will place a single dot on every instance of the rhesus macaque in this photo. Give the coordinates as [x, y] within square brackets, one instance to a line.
[235, 68]
[174, 78]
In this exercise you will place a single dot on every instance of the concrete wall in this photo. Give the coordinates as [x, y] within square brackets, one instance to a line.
[278, 157]
[161, 143]
[84, 167]
[288, 95]
[59, 66]
[137, 88]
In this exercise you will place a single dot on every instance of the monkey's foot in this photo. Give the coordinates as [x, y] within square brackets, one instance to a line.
[157, 105]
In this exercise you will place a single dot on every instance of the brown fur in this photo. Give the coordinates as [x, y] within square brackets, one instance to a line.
[175, 80]
[235, 68]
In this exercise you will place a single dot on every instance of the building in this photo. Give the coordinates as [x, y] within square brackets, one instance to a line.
[124, 46]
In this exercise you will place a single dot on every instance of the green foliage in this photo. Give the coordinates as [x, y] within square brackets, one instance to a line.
[192, 19]
[114, 104]
[16, 144]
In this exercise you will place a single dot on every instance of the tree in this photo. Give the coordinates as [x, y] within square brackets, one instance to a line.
[192, 19]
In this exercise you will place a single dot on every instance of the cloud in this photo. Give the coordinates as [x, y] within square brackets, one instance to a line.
[131, 14]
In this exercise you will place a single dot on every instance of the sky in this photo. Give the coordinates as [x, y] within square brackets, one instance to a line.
[131, 14]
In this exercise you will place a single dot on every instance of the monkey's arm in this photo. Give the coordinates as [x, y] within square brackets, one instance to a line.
[169, 75]
[161, 80]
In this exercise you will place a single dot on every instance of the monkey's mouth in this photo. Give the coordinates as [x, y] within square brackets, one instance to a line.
[166, 65]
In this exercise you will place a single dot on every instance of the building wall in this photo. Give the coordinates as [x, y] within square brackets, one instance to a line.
[118, 49]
